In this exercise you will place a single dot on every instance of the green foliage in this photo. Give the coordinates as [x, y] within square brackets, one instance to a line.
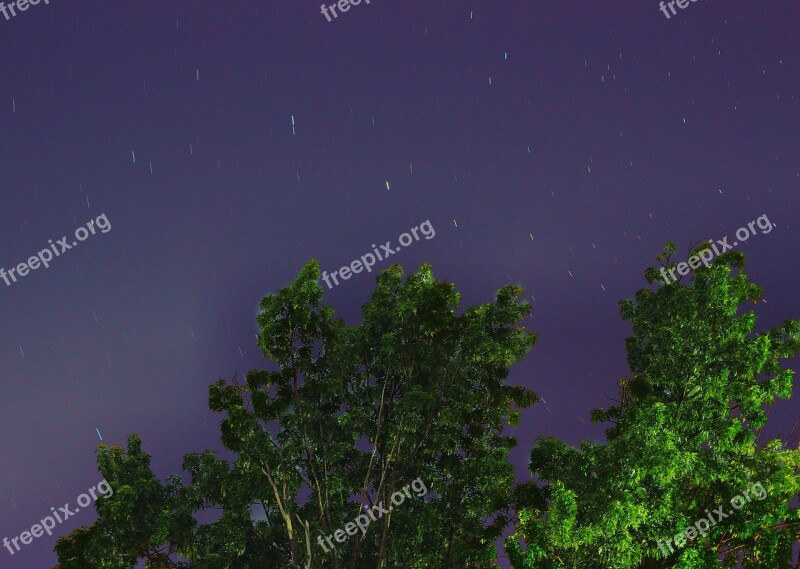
[683, 439]
[142, 520]
[345, 417]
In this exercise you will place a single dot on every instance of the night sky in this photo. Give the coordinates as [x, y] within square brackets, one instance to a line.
[553, 145]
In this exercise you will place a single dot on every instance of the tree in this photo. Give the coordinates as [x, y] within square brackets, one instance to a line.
[144, 520]
[684, 441]
[326, 440]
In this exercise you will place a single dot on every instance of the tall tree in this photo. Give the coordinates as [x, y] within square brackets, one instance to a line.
[328, 440]
[684, 441]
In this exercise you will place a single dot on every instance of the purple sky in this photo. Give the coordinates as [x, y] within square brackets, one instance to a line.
[603, 129]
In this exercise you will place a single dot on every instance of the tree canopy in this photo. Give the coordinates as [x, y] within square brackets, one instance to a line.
[347, 417]
[383, 444]
[683, 441]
